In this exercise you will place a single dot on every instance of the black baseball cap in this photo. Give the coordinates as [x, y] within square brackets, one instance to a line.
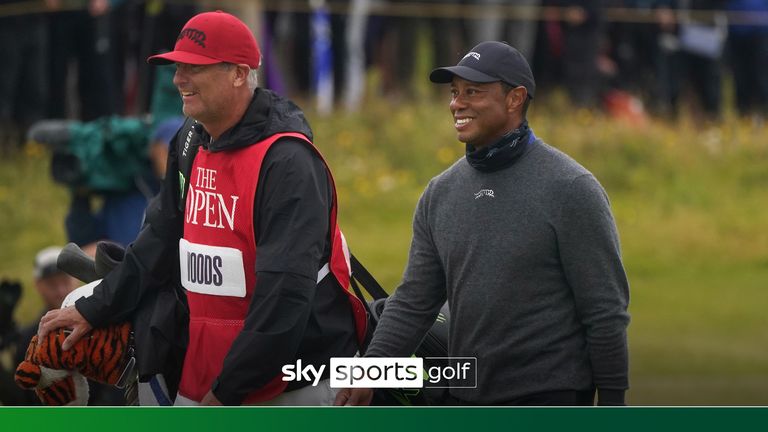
[490, 62]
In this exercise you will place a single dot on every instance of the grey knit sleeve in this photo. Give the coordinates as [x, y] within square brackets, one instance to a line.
[589, 249]
[412, 309]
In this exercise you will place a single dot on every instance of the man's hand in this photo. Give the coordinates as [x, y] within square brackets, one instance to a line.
[354, 396]
[69, 318]
[210, 400]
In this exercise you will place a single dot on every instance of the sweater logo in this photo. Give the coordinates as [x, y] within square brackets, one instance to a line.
[208, 206]
[484, 193]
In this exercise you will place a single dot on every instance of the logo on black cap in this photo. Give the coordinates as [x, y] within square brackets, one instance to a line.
[472, 54]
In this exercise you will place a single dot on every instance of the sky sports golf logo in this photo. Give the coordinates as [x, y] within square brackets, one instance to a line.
[397, 372]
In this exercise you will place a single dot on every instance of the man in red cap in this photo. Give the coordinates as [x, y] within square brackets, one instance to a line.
[247, 228]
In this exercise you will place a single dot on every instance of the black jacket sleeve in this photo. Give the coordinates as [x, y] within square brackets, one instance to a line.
[291, 220]
[150, 262]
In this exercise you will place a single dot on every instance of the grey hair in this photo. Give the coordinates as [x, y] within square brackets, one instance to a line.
[253, 76]
[253, 79]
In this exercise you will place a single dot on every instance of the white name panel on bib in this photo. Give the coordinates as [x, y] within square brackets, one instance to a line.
[212, 270]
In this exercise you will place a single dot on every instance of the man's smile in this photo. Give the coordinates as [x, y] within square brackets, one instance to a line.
[462, 122]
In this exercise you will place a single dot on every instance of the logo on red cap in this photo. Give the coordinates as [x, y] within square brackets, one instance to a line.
[195, 35]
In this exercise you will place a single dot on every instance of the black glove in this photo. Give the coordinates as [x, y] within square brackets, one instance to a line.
[10, 292]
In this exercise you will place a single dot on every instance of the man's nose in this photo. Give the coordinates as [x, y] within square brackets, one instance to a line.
[457, 103]
[178, 77]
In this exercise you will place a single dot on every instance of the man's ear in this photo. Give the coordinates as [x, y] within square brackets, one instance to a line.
[516, 98]
[241, 75]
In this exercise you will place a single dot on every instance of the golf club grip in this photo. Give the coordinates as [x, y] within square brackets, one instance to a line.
[77, 263]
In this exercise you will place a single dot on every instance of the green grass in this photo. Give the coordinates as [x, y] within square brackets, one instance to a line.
[690, 202]
[32, 210]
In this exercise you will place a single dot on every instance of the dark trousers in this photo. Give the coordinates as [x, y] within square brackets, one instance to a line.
[553, 398]
[76, 35]
[749, 61]
[23, 85]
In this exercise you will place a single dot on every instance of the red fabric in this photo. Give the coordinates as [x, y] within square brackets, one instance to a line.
[213, 37]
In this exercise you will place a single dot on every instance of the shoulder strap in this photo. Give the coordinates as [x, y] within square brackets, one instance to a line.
[363, 276]
[188, 142]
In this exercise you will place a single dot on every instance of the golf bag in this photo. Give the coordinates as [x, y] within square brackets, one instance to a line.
[434, 344]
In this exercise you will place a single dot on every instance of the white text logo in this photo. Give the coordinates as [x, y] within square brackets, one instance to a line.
[214, 208]
[472, 54]
[298, 372]
[484, 192]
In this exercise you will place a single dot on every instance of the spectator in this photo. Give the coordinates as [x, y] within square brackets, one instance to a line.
[115, 181]
[582, 32]
[155, 32]
[748, 57]
[397, 47]
[495, 24]
[82, 36]
[23, 86]
[692, 38]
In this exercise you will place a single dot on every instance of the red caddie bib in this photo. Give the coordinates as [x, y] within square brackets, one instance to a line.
[217, 257]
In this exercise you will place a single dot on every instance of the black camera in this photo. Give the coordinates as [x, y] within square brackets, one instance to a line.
[10, 292]
[105, 155]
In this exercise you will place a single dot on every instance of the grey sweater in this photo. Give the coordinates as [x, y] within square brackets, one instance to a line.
[528, 258]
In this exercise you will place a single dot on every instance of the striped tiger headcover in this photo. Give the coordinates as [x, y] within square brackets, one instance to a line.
[53, 387]
[104, 355]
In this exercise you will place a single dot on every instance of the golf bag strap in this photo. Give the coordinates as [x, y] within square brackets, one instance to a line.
[188, 142]
[361, 274]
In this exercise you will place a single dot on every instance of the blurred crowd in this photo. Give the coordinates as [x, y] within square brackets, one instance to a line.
[85, 59]
[82, 63]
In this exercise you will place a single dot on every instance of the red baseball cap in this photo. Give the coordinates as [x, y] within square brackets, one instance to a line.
[213, 37]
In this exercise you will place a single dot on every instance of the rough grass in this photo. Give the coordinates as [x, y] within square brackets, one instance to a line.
[690, 202]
